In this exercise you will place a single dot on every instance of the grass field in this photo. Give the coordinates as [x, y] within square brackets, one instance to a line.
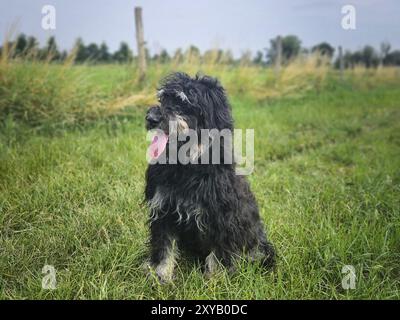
[327, 180]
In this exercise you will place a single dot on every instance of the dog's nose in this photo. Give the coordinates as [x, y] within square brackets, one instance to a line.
[152, 118]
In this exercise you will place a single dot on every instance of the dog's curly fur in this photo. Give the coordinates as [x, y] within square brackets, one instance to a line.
[205, 210]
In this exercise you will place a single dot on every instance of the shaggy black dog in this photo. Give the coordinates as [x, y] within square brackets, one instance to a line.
[205, 210]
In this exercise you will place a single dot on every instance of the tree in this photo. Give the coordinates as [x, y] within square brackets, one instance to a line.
[385, 49]
[291, 46]
[63, 55]
[32, 47]
[104, 55]
[356, 58]
[192, 53]
[50, 51]
[324, 49]
[81, 53]
[258, 59]
[392, 58]
[369, 57]
[124, 54]
[20, 45]
[93, 52]
[32, 44]
[164, 56]
[348, 60]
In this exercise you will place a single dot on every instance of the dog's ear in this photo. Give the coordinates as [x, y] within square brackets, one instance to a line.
[214, 103]
[221, 109]
[217, 112]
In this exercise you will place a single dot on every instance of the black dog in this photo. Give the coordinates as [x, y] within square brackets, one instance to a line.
[205, 210]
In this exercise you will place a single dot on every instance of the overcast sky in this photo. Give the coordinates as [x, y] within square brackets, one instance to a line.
[235, 24]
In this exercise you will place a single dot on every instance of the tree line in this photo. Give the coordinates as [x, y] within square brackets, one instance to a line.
[291, 47]
[367, 56]
[28, 47]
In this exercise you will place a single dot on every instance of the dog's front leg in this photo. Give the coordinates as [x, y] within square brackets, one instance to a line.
[164, 251]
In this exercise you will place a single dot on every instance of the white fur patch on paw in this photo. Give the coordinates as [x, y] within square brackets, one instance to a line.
[165, 269]
[211, 265]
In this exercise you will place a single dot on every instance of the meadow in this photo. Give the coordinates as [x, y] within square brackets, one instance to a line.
[72, 164]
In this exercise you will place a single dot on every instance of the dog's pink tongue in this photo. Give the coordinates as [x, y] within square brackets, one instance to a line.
[158, 145]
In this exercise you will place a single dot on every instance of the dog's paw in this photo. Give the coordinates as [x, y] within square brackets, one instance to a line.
[165, 278]
[211, 266]
[165, 272]
[159, 273]
[146, 266]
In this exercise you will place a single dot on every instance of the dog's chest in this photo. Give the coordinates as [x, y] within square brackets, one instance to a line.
[183, 209]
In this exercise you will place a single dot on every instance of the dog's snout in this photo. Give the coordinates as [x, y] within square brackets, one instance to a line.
[153, 118]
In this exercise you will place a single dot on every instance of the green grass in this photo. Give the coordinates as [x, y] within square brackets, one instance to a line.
[326, 178]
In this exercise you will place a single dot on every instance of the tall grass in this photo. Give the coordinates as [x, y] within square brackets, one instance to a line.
[44, 93]
[40, 93]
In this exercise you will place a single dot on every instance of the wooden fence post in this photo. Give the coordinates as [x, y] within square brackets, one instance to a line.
[140, 44]
[278, 58]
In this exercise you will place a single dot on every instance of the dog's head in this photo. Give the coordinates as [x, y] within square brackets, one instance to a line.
[192, 103]
[187, 107]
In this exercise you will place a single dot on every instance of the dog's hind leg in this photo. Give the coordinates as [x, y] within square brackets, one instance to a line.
[268, 261]
[264, 251]
[264, 254]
